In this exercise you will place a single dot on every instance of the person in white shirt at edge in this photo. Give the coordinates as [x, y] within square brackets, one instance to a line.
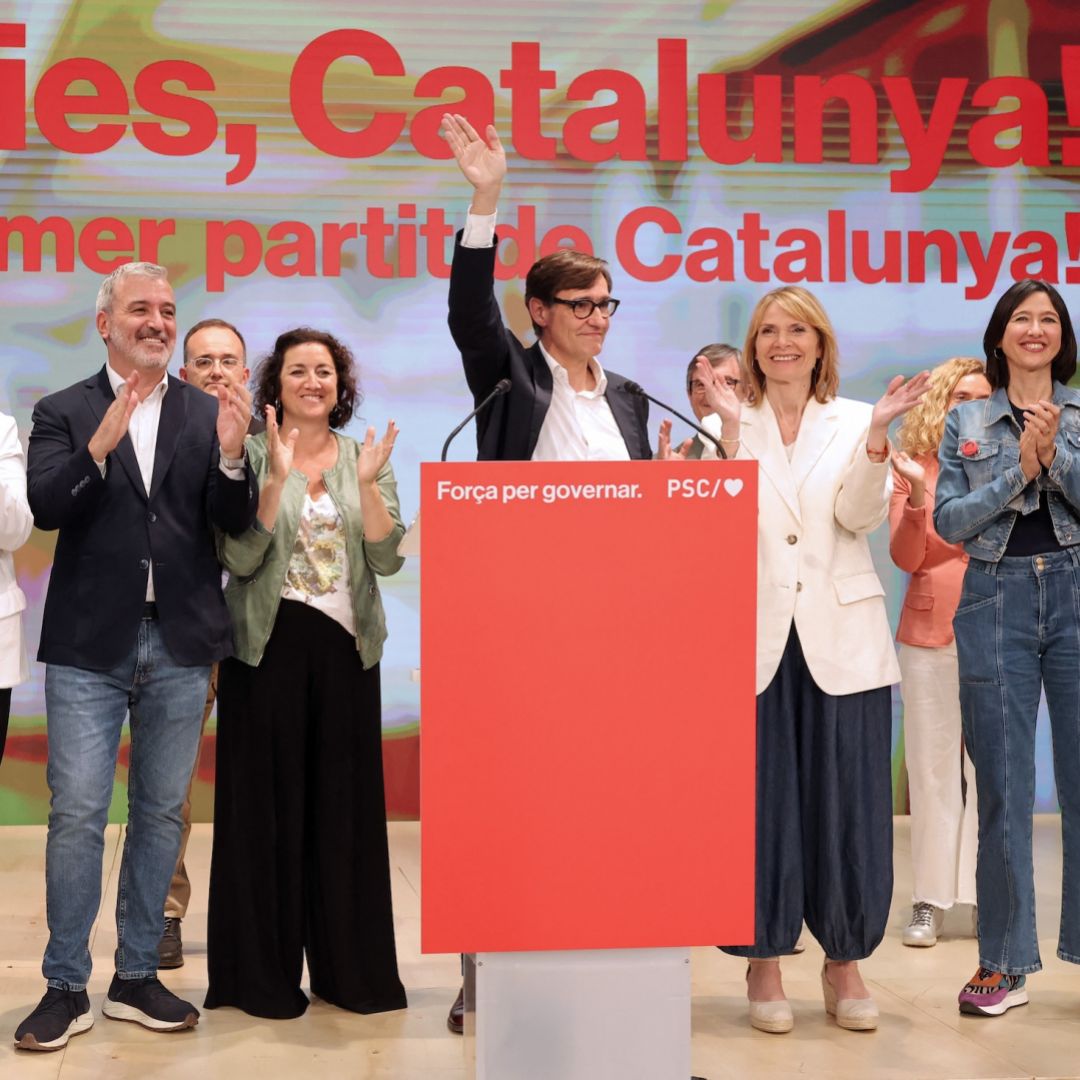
[562, 404]
[825, 659]
[16, 523]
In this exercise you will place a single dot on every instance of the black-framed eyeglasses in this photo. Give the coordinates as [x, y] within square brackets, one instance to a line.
[583, 307]
[698, 387]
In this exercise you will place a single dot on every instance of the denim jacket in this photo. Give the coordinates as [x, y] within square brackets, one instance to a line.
[257, 560]
[981, 487]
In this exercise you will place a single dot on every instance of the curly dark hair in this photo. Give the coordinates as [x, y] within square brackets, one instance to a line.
[268, 374]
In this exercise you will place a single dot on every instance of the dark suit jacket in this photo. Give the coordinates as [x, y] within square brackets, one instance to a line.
[508, 428]
[111, 529]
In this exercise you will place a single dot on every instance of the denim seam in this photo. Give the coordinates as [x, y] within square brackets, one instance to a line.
[1011, 888]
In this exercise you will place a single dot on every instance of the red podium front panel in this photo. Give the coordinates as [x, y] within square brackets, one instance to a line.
[587, 704]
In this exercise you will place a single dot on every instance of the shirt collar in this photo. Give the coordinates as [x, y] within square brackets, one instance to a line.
[561, 375]
[998, 404]
[116, 380]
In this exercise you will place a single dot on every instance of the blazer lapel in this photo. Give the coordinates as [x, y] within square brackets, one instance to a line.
[817, 429]
[542, 387]
[170, 425]
[622, 408]
[99, 396]
[760, 435]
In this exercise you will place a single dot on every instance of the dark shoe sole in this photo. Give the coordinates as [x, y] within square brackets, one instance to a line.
[170, 963]
[76, 1027]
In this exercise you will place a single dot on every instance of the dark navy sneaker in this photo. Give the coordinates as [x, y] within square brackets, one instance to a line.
[59, 1015]
[147, 1002]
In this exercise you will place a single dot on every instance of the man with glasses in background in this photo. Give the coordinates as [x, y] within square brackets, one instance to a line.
[214, 355]
[726, 360]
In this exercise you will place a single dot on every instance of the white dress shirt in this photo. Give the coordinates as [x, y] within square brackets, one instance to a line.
[579, 424]
[143, 432]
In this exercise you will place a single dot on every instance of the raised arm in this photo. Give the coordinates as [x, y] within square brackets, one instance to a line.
[475, 320]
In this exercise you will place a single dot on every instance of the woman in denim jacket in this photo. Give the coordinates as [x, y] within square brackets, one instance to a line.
[300, 862]
[1009, 488]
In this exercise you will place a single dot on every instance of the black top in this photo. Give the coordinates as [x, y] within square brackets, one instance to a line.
[1032, 534]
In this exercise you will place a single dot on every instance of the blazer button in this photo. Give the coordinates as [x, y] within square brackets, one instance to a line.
[792, 539]
[151, 517]
[144, 564]
[798, 586]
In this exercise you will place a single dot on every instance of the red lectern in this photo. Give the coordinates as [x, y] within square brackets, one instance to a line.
[587, 719]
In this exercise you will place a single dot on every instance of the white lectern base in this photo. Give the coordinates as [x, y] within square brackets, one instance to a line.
[602, 1014]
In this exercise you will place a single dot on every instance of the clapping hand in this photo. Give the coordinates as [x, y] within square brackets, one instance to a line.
[279, 450]
[1043, 418]
[374, 455]
[234, 417]
[719, 396]
[114, 424]
[668, 453]
[906, 467]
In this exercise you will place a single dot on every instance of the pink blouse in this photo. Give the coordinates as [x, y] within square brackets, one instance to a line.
[936, 568]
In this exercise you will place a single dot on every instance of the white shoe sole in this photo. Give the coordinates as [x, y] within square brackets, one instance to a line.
[117, 1010]
[1015, 997]
[919, 943]
[76, 1027]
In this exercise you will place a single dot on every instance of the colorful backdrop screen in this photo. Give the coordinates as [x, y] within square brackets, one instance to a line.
[904, 160]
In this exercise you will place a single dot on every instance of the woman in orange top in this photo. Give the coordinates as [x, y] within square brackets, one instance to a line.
[944, 822]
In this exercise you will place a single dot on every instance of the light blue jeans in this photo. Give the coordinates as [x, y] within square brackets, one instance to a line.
[85, 712]
[1018, 632]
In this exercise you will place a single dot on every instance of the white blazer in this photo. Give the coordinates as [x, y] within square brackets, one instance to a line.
[814, 564]
[16, 521]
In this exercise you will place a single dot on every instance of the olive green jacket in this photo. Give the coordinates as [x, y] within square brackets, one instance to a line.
[257, 560]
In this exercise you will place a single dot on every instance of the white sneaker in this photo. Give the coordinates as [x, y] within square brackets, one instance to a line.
[925, 925]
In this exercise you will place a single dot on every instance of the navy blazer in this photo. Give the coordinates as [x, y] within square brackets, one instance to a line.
[507, 430]
[111, 529]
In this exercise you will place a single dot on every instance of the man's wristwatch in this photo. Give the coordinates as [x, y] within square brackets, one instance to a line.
[234, 463]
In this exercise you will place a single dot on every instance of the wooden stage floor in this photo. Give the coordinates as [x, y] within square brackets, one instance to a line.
[921, 1037]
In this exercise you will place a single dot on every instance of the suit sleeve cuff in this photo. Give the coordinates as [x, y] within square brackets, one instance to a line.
[479, 231]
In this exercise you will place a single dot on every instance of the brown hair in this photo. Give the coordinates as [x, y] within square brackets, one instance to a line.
[566, 268]
[268, 375]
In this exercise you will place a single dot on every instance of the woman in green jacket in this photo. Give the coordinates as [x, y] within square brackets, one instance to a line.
[300, 861]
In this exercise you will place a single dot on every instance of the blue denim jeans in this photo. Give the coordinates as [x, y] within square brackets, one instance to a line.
[85, 712]
[1018, 632]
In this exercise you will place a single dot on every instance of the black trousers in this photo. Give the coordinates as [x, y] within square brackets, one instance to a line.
[5, 713]
[300, 860]
[824, 815]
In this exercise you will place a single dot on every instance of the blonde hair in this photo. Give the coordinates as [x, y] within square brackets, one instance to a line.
[803, 305]
[923, 426]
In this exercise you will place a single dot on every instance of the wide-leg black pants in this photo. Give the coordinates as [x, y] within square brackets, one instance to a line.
[300, 860]
[824, 815]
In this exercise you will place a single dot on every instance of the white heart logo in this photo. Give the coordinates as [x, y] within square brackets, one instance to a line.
[733, 487]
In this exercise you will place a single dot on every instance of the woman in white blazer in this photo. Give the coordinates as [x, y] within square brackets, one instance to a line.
[16, 522]
[825, 657]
